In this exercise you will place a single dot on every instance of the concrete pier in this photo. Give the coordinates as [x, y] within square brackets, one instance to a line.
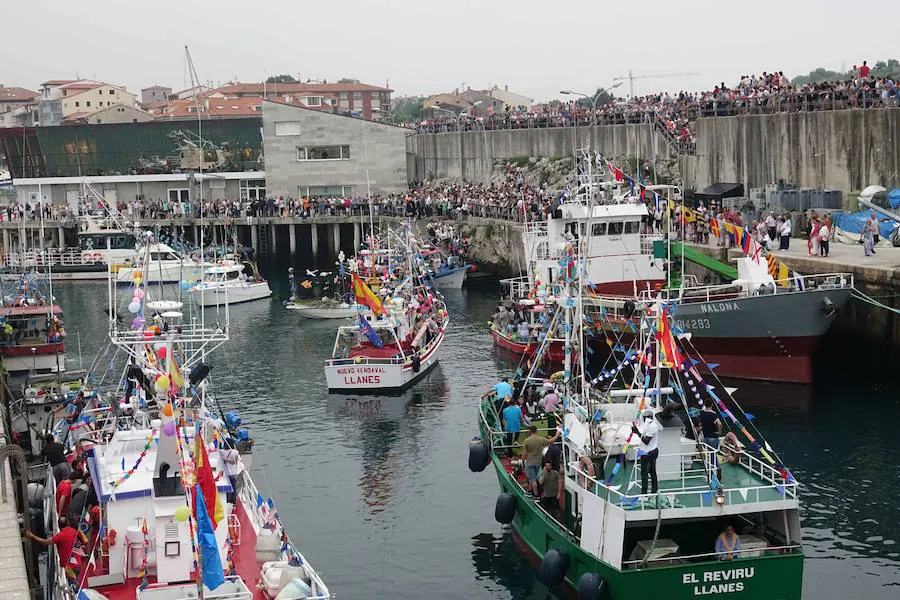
[336, 237]
[292, 232]
[357, 229]
[13, 574]
[272, 239]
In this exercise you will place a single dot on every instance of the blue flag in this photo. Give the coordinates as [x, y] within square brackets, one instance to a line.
[370, 332]
[211, 569]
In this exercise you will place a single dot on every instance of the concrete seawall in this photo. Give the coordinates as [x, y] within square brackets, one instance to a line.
[843, 150]
[471, 155]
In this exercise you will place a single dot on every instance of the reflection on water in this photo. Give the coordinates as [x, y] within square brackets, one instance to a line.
[377, 494]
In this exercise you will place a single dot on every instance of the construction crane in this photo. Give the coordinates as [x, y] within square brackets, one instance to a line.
[631, 77]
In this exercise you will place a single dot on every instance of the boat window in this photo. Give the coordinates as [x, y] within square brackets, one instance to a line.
[234, 274]
[615, 228]
[572, 227]
[633, 227]
[598, 229]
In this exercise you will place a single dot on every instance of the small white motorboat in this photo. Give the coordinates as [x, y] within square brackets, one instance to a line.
[159, 263]
[228, 284]
[324, 309]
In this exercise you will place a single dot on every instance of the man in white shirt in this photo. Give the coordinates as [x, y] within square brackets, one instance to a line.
[648, 451]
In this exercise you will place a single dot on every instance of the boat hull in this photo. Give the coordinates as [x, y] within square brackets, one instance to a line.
[767, 338]
[777, 577]
[378, 377]
[47, 358]
[233, 295]
[555, 354]
[451, 279]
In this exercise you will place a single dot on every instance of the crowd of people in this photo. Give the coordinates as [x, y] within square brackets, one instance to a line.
[672, 113]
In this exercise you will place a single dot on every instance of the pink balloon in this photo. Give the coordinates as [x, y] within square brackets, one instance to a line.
[137, 323]
[161, 353]
[169, 428]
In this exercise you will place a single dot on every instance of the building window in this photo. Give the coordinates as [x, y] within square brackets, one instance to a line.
[111, 92]
[325, 191]
[323, 153]
[77, 104]
[179, 195]
[88, 103]
[253, 189]
[357, 98]
[333, 102]
[345, 97]
[287, 128]
[313, 101]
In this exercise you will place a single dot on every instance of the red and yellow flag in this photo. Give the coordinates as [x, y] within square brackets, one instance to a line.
[207, 482]
[364, 295]
[668, 350]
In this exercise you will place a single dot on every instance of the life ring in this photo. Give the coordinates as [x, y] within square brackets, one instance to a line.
[111, 537]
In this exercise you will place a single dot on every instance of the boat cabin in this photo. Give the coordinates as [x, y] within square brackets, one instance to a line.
[614, 238]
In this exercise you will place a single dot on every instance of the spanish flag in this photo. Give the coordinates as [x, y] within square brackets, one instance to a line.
[206, 482]
[366, 296]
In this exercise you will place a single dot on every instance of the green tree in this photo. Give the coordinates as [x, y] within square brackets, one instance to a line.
[280, 79]
[348, 80]
[598, 98]
[408, 110]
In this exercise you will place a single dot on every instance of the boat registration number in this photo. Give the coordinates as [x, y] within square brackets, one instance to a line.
[692, 323]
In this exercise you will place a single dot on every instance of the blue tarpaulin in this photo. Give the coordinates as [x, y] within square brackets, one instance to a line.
[854, 222]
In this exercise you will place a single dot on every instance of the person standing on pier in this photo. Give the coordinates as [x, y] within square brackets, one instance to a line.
[869, 230]
[824, 232]
[785, 233]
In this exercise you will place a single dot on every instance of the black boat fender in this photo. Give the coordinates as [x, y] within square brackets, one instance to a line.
[416, 362]
[478, 456]
[828, 306]
[592, 587]
[553, 567]
[505, 510]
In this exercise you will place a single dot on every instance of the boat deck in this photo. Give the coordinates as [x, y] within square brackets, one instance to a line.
[689, 489]
[244, 558]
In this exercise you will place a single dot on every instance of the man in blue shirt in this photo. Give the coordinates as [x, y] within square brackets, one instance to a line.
[504, 393]
[512, 425]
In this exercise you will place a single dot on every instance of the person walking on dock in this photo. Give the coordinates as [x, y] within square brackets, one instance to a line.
[824, 232]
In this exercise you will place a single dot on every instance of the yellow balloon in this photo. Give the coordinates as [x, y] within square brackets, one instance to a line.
[162, 382]
[182, 513]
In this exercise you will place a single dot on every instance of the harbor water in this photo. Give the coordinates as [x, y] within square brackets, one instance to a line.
[376, 492]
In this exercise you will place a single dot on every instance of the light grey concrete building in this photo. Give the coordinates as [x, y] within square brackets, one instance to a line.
[315, 153]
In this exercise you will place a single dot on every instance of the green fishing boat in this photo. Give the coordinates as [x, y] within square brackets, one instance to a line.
[723, 520]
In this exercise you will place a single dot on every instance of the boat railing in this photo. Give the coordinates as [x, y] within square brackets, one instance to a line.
[692, 486]
[729, 291]
[535, 228]
[710, 556]
[519, 287]
[49, 256]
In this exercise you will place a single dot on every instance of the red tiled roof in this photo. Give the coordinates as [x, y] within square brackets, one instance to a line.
[17, 94]
[298, 87]
[219, 107]
[81, 85]
[54, 82]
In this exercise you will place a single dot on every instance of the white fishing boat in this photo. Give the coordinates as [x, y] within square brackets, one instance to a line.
[229, 284]
[160, 263]
[450, 278]
[397, 337]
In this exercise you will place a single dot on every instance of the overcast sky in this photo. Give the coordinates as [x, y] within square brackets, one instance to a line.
[536, 47]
